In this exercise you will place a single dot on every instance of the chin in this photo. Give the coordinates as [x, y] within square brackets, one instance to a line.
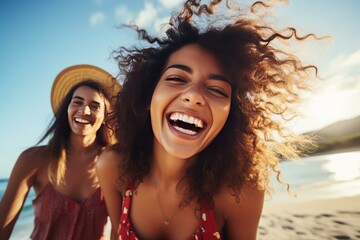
[183, 152]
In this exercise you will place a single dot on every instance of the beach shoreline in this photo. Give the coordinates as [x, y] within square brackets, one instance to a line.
[334, 218]
[334, 151]
[326, 209]
[327, 205]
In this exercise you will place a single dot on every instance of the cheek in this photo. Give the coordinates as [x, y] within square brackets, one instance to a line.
[160, 95]
[100, 117]
[69, 114]
[219, 119]
[154, 117]
[157, 103]
[221, 112]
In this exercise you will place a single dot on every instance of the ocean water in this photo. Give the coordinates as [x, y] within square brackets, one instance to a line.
[321, 177]
[325, 176]
[23, 227]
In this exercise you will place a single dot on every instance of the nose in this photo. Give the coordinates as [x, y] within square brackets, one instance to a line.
[86, 110]
[194, 95]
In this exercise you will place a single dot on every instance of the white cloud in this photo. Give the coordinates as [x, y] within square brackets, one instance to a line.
[161, 25]
[170, 3]
[341, 82]
[146, 16]
[353, 59]
[344, 73]
[97, 18]
[342, 62]
[123, 14]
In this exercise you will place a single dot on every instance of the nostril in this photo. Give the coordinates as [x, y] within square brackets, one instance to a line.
[194, 96]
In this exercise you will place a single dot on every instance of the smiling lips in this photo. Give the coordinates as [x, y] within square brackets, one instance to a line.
[186, 124]
[81, 120]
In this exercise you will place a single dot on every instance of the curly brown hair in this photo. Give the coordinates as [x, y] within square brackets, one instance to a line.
[266, 86]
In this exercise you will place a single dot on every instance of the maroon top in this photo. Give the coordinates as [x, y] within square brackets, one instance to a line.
[60, 218]
[206, 230]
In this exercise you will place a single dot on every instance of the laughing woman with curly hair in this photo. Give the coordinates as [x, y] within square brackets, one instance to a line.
[200, 125]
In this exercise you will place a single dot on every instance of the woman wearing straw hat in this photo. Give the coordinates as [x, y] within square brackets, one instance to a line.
[68, 203]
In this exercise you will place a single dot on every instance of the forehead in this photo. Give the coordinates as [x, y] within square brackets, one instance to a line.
[89, 93]
[192, 54]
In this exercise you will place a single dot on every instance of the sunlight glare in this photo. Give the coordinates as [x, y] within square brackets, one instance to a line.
[343, 166]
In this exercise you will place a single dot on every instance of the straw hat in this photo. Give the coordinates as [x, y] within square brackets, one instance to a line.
[73, 75]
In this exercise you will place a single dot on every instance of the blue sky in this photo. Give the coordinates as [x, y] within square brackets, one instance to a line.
[40, 38]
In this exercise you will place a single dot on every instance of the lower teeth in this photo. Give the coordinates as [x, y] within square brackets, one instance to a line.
[187, 131]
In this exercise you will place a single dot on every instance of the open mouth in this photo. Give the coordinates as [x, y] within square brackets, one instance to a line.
[186, 124]
[81, 120]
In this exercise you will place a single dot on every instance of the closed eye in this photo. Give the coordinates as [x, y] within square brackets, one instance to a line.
[176, 79]
[77, 102]
[95, 107]
[218, 92]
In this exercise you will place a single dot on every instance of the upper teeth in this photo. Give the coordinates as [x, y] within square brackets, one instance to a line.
[81, 120]
[188, 119]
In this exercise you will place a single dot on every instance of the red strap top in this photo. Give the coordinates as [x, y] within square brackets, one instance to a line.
[58, 217]
[207, 229]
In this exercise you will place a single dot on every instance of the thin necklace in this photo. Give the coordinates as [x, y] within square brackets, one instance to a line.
[167, 220]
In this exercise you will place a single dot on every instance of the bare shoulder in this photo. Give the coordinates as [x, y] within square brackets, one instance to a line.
[250, 198]
[109, 159]
[241, 215]
[108, 167]
[33, 158]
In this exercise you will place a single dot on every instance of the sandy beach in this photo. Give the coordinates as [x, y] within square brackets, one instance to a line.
[327, 205]
[294, 219]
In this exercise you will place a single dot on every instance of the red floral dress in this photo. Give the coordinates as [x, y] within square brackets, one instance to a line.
[207, 229]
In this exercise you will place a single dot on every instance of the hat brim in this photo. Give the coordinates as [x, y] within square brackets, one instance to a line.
[73, 75]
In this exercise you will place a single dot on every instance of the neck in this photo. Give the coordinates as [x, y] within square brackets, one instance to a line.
[167, 170]
[82, 145]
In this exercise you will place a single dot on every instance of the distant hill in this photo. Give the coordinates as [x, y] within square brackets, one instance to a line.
[341, 129]
[340, 136]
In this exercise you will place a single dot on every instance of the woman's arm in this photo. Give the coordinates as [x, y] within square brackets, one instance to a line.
[20, 182]
[242, 218]
[107, 170]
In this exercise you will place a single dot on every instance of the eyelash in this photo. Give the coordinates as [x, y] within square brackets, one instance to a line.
[218, 91]
[77, 102]
[92, 107]
[176, 79]
[213, 89]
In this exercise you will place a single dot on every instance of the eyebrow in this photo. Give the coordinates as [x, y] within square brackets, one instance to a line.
[188, 69]
[218, 77]
[180, 66]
